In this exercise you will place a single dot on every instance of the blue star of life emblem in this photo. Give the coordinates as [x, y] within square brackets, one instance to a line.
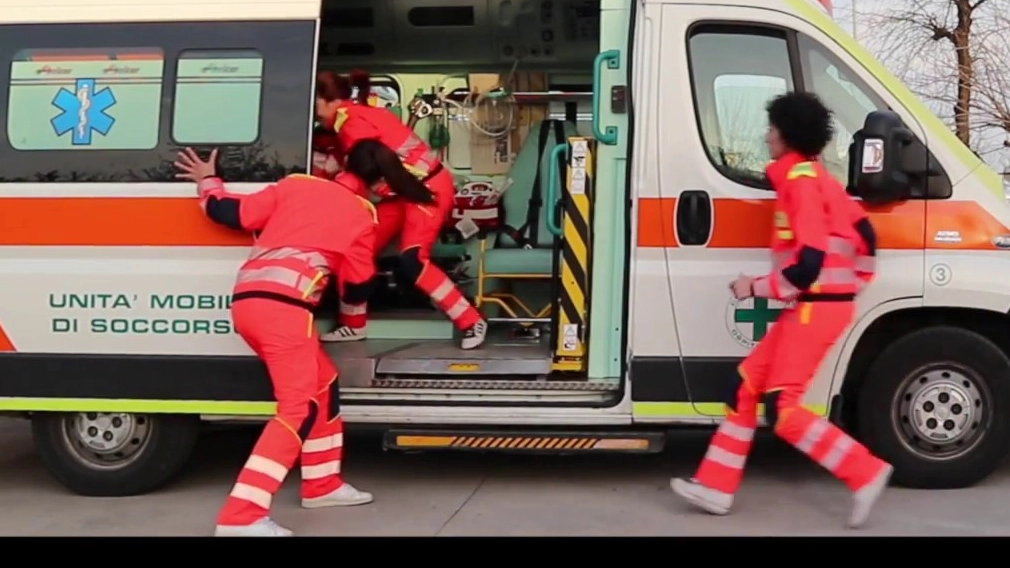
[83, 112]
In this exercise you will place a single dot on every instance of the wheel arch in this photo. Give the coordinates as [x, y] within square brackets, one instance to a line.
[876, 331]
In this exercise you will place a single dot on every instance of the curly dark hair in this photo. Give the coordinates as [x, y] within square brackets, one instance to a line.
[803, 122]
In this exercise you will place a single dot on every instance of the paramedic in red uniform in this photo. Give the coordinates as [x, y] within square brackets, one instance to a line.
[343, 103]
[823, 249]
[307, 230]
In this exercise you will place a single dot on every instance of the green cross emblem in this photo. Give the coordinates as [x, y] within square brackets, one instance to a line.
[760, 316]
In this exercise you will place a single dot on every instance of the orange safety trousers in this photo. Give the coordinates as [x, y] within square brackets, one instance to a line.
[778, 373]
[307, 423]
[418, 227]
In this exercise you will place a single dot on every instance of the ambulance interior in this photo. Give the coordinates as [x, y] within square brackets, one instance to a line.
[494, 86]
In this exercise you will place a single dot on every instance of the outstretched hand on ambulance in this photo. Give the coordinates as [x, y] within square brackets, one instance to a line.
[192, 168]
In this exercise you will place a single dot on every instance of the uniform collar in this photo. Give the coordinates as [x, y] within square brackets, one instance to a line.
[777, 170]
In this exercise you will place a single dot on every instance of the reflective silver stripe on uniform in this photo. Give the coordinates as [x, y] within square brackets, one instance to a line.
[315, 259]
[866, 263]
[353, 309]
[813, 435]
[267, 467]
[457, 309]
[317, 445]
[837, 453]
[736, 431]
[321, 471]
[254, 495]
[725, 457]
[409, 145]
[430, 158]
[421, 167]
[837, 275]
[442, 291]
[279, 275]
[844, 247]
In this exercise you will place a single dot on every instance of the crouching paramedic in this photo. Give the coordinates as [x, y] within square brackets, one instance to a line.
[308, 228]
[343, 103]
[823, 248]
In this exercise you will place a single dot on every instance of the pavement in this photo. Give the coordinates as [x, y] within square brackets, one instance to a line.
[464, 494]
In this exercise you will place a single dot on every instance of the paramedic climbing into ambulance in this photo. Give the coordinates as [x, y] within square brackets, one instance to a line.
[307, 230]
[343, 103]
[823, 249]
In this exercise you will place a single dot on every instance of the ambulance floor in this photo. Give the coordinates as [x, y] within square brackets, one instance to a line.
[473, 494]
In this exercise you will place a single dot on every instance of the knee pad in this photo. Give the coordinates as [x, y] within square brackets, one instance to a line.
[334, 410]
[731, 396]
[771, 402]
[410, 266]
[358, 293]
[306, 426]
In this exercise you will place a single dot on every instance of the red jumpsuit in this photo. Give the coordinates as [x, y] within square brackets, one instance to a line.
[418, 225]
[308, 229]
[823, 249]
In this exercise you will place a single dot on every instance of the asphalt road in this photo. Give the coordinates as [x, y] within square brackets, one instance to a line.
[482, 495]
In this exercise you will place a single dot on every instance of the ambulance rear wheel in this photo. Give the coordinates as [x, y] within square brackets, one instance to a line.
[101, 454]
[934, 405]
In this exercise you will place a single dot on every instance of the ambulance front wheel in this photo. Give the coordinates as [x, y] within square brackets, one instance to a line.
[100, 454]
[934, 404]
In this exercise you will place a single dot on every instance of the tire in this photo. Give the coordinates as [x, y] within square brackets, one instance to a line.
[936, 405]
[145, 452]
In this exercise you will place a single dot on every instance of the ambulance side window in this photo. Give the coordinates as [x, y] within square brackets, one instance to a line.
[844, 93]
[735, 71]
[851, 100]
[113, 102]
[218, 96]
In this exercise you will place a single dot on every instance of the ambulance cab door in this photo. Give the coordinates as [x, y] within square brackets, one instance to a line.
[721, 66]
[730, 62]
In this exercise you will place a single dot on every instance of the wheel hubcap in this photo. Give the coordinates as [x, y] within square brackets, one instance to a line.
[941, 412]
[106, 440]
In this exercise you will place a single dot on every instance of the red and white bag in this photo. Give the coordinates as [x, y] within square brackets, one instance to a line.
[477, 206]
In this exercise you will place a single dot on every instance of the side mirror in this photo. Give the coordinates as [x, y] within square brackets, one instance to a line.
[879, 159]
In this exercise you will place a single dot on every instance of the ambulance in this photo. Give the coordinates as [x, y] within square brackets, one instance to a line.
[609, 159]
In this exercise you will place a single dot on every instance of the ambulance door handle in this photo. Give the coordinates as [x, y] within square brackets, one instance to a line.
[693, 218]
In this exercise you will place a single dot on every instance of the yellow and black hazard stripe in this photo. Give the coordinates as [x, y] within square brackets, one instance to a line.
[574, 270]
[543, 442]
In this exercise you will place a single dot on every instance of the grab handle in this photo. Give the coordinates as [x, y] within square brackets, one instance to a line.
[612, 58]
[554, 189]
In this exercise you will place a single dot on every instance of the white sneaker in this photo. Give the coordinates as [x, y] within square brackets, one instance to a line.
[705, 498]
[344, 496]
[263, 527]
[343, 333]
[865, 498]
[475, 336]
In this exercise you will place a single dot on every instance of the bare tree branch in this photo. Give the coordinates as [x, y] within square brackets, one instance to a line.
[954, 54]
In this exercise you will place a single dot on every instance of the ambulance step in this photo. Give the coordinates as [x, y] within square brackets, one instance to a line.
[526, 442]
[493, 383]
[445, 358]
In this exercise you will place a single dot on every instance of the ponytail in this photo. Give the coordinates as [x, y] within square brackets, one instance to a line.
[371, 160]
[362, 83]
